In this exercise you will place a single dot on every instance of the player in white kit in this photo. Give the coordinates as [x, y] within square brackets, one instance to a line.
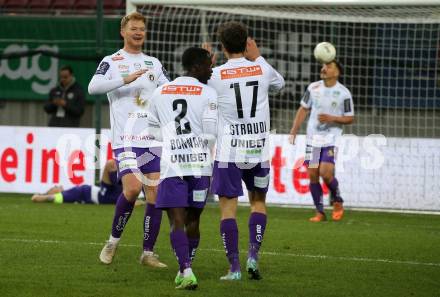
[129, 77]
[330, 105]
[185, 110]
[242, 85]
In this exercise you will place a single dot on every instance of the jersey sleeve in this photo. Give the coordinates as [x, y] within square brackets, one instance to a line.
[210, 114]
[210, 118]
[102, 82]
[163, 74]
[348, 105]
[306, 100]
[213, 82]
[276, 80]
[153, 119]
[153, 116]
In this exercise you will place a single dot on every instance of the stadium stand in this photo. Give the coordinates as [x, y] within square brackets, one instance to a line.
[60, 6]
[39, 4]
[85, 4]
[63, 4]
[16, 3]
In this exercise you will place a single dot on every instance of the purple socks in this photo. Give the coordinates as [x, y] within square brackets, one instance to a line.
[334, 189]
[152, 221]
[229, 234]
[193, 245]
[316, 191]
[122, 214]
[179, 242]
[257, 225]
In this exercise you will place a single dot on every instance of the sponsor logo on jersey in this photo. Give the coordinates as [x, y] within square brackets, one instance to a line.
[118, 57]
[148, 63]
[241, 72]
[123, 68]
[336, 94]
[140, 102]
[330, 153]
[181, 90]
[137, 115]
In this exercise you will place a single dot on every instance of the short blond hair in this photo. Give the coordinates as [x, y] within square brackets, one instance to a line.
[133, 16]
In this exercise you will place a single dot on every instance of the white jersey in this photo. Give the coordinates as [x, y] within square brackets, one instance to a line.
[320, 99]
[128, 103]
[243, 104]
[183, 109]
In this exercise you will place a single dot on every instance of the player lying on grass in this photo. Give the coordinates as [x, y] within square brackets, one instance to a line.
[331, 106]
[107, 193]
[185, 112]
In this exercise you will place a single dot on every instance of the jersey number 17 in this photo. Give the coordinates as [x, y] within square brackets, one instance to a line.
[236, 87]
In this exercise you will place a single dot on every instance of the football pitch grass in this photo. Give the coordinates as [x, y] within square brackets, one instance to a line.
[52, 250]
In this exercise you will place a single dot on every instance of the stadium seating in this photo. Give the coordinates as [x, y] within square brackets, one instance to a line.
[16, 3]
[114, 4]
[40, 4]
[63, 4]
[85, 4]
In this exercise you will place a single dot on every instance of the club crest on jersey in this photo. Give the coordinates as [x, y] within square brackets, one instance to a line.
[241, 72]
[334, 104]
[137, 66]
[181, 90]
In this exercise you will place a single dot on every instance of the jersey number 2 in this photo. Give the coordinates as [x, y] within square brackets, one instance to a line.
[236, 87]
[183, 109]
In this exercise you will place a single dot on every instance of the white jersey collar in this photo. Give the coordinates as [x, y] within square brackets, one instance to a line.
[125, 53]
[186, 79]
[237, 60]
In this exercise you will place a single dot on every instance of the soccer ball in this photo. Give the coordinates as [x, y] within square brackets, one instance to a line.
[324, 52]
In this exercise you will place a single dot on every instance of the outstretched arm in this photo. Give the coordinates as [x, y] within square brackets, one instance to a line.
[300, 116]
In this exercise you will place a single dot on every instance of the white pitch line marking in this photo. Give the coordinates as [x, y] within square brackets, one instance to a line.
[355, 259]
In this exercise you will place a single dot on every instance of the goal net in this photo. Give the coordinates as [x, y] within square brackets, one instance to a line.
[390, 55]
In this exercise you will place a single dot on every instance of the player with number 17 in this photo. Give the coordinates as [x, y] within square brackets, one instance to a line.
[242, 85]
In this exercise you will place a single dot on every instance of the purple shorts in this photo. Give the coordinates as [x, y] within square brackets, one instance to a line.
[187, 191]
[109, 194]
[227, 176]
[316, 155]
[137, 160]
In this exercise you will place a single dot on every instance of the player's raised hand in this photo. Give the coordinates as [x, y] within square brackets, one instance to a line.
[252, 52]
[326, 118]
[207, 46]
[135, 75]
